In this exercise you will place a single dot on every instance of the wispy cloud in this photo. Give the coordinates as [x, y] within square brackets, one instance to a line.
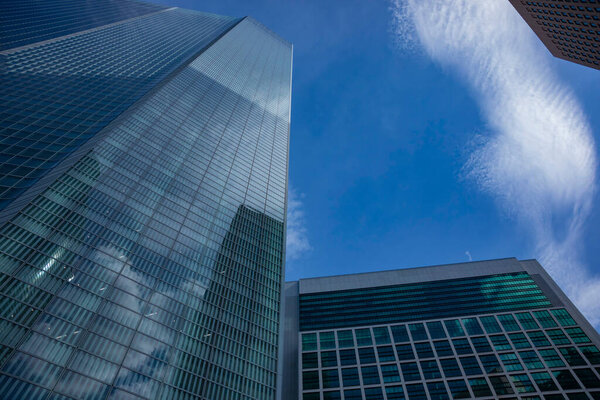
[538, 159]
[297, 237]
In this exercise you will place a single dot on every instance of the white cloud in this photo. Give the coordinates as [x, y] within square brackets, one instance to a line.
[539, 158]
[297, 239]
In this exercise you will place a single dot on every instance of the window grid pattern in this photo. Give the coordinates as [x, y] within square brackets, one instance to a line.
[482, 372]
[152, 268]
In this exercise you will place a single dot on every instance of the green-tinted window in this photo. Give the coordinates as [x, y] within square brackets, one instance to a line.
[511, 362]
[490, 363]
[544, 381]
[309, 341]
[405, 352]
[509, 323]
[400, 333]
[470, 366]
[545, 319]
[330, 378]
[480, 387]
[424, 350]
[382, 335]
[345, 339]
[310, 380]
[522, 383]
[436, 330]
[572, 356]
[565, 379]
[462, 346]
[347, 357]
[591, 353]
[563, 317]
[501, 385]
[531, 360]
[551, 358]
[490, 324]
[353, 394]
[332, 395]
[453, 327]
[437, 391]
[519, 340]
[327, 340]
[350, 377]
[310, 360]
[410, 371]
[443, 348]
[458, 389]
[394, 392]
[430, 369]
[588, 378]
[558, 337]
[373, 393]
[370, 375]
[577, 335]
[417, 331]
[527, 321]
[366, 355]
[386, 353]
[579, 396]
[500, 342]
[538, 338]
[390, 373]
[311, 396]
[363, 337]
[481, 344]
[450, 367]
[329, 359]
[472, 326]
[416, 391]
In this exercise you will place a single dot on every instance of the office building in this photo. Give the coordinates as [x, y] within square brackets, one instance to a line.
[143, 163]
[570, 29]
[499, 329]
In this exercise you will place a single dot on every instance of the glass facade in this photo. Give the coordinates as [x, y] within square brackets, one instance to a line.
[152, 266]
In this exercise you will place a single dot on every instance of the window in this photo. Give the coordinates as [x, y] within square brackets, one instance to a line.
[309, 341]
[329, 359]
[417, 331]
[330, 378]
[394, 392]
[519, 340]
[410, 372]
[490, 324]
[544, 381]
[437, 391]
[470, 366]
[545, 319]
[345, 339]
[382, 335]
[572, 356]
[309, 360]
[332, 395]
[347, 357]
[458, 389]
[386, 353]
[511, 362]
[370, 375]
[363, 337]
[565, 379]
[310, 380]
[453, 327]
[591, 353]
[424, 350]
[350, 377]
[374, 393]
[472, 326]
[558, 337]
[405, 352]
[509, 323]
[311, 396]
[563, 317]
[527, 321]
[480, 387]
[416, 391]
[443, 348]
[390, 373]
[327, 340]
[500, 342]
[531, 360]
[577, 335]
[588, 378]
[366, 355]
[462, 346]
[490, 363]
[436, 330]
[450, 367]
[481, 344]
[400, 334]
[538, 338]
[551, 358]
[354, 394]
[430, 369]
[501, 385]
[522, 383]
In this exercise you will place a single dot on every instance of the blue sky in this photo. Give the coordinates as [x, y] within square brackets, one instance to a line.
[430, 133]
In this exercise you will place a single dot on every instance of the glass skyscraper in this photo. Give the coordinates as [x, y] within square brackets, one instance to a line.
[143, 179]
[499, 329]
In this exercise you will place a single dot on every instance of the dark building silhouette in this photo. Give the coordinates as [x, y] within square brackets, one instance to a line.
[570, 29]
